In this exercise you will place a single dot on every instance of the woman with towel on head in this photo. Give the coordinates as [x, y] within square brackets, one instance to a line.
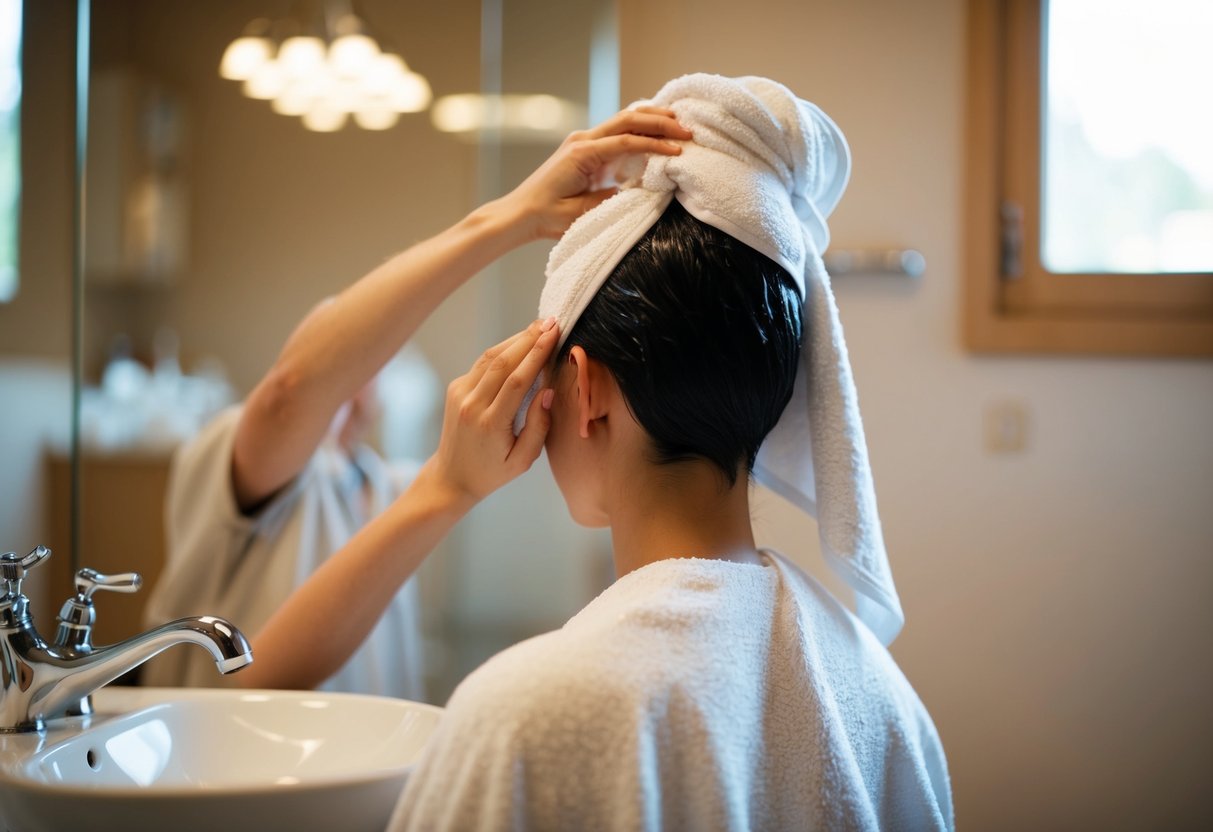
[713, 685]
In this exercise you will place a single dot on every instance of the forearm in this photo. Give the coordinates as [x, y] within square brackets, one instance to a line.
[324, 621]
[344, 342]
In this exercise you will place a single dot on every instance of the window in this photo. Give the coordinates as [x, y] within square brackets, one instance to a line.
[1090, 177]
[10, 143]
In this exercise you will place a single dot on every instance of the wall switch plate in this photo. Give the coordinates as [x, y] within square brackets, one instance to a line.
[1006, 427]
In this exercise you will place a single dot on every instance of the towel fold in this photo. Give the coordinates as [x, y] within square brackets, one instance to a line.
[766, 168]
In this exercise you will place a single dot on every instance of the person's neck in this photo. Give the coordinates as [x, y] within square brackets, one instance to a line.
[681, 510]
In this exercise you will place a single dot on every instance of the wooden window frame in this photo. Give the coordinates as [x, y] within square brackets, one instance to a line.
[1037, 311]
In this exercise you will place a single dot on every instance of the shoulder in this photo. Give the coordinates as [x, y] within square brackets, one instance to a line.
[200, 478]
[531, 739]
[544, 678]
[216, 435]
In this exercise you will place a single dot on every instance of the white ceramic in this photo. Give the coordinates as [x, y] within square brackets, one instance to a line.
[225, 760]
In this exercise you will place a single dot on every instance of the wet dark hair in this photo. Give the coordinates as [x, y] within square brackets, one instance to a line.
[702, 334]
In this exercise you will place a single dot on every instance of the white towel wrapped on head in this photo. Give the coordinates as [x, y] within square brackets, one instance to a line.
[766, 168]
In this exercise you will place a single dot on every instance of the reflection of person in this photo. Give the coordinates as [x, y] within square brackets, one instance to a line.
[268, 492]
[240, 560]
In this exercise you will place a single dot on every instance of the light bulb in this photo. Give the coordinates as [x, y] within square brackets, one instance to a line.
[324, 119]
[376, 118]
[352, 55]
[384, 73]
[540, 112]
[244, 56]
[346, 95]
[295, 100]
[299, 56]
[411, 93]
[266, 82]
[458, 113]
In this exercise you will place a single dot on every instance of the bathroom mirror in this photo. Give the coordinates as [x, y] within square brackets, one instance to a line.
[214, 223]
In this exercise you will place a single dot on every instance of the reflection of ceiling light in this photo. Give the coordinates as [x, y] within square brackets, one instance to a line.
[458, 113]
[520, 117]
[540, 112]
[324, 119]
[247, 52]
[381, 75]
[266, 81]
[295, 100]
[351, 56]
[376, 118]
[324, 73]
[410, 93]
[299, 56]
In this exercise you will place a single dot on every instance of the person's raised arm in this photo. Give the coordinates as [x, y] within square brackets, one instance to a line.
[340, 346]
[323, 622]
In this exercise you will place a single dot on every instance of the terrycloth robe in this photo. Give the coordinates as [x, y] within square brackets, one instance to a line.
[690, 695]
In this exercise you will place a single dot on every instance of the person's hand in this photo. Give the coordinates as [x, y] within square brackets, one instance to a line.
[570, 182]
[478, 452]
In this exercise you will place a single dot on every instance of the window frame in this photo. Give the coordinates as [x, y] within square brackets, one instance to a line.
[1039, 311]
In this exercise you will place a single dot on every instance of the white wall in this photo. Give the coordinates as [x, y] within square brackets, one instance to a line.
[1058, 601]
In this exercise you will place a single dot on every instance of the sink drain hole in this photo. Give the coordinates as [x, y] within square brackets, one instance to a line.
[91, 759]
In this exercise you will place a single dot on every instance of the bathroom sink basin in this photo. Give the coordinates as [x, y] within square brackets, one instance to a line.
[224, 760]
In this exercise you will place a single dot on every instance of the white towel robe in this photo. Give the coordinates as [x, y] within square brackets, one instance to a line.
[222, 562]
[690, 695]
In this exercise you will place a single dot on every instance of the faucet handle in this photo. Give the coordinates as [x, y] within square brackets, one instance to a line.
[89, 581]
[13, 568]
[77, 615]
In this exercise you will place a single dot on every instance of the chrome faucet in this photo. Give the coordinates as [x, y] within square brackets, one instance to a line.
[40, 682]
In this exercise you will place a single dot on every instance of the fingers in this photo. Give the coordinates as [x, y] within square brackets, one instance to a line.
[486, 359]
[512, 372]
[656, 122]
[604, 151]
[538, 421]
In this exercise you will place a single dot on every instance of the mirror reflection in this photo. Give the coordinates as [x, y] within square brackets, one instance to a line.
[221, 210]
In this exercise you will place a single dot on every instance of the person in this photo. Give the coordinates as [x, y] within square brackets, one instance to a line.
[693, 342]
[714, 685]
[268, 491]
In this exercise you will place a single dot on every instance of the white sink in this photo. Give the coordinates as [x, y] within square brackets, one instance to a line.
[224, 760]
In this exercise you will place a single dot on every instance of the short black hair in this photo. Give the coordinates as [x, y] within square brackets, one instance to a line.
[702, 334]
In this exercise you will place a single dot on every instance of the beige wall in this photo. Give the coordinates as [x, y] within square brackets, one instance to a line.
[1059, 619]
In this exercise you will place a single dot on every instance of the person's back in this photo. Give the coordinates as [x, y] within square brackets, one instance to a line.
[692, 694]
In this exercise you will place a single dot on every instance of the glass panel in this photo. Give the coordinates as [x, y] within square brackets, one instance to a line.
[10, 143]
[1128, 133]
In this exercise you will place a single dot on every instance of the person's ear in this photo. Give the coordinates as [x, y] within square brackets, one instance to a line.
[592, 390]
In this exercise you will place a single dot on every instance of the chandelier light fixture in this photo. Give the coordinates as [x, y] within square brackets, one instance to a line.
[323, 64]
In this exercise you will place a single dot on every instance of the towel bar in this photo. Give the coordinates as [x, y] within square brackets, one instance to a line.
[904, 261]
